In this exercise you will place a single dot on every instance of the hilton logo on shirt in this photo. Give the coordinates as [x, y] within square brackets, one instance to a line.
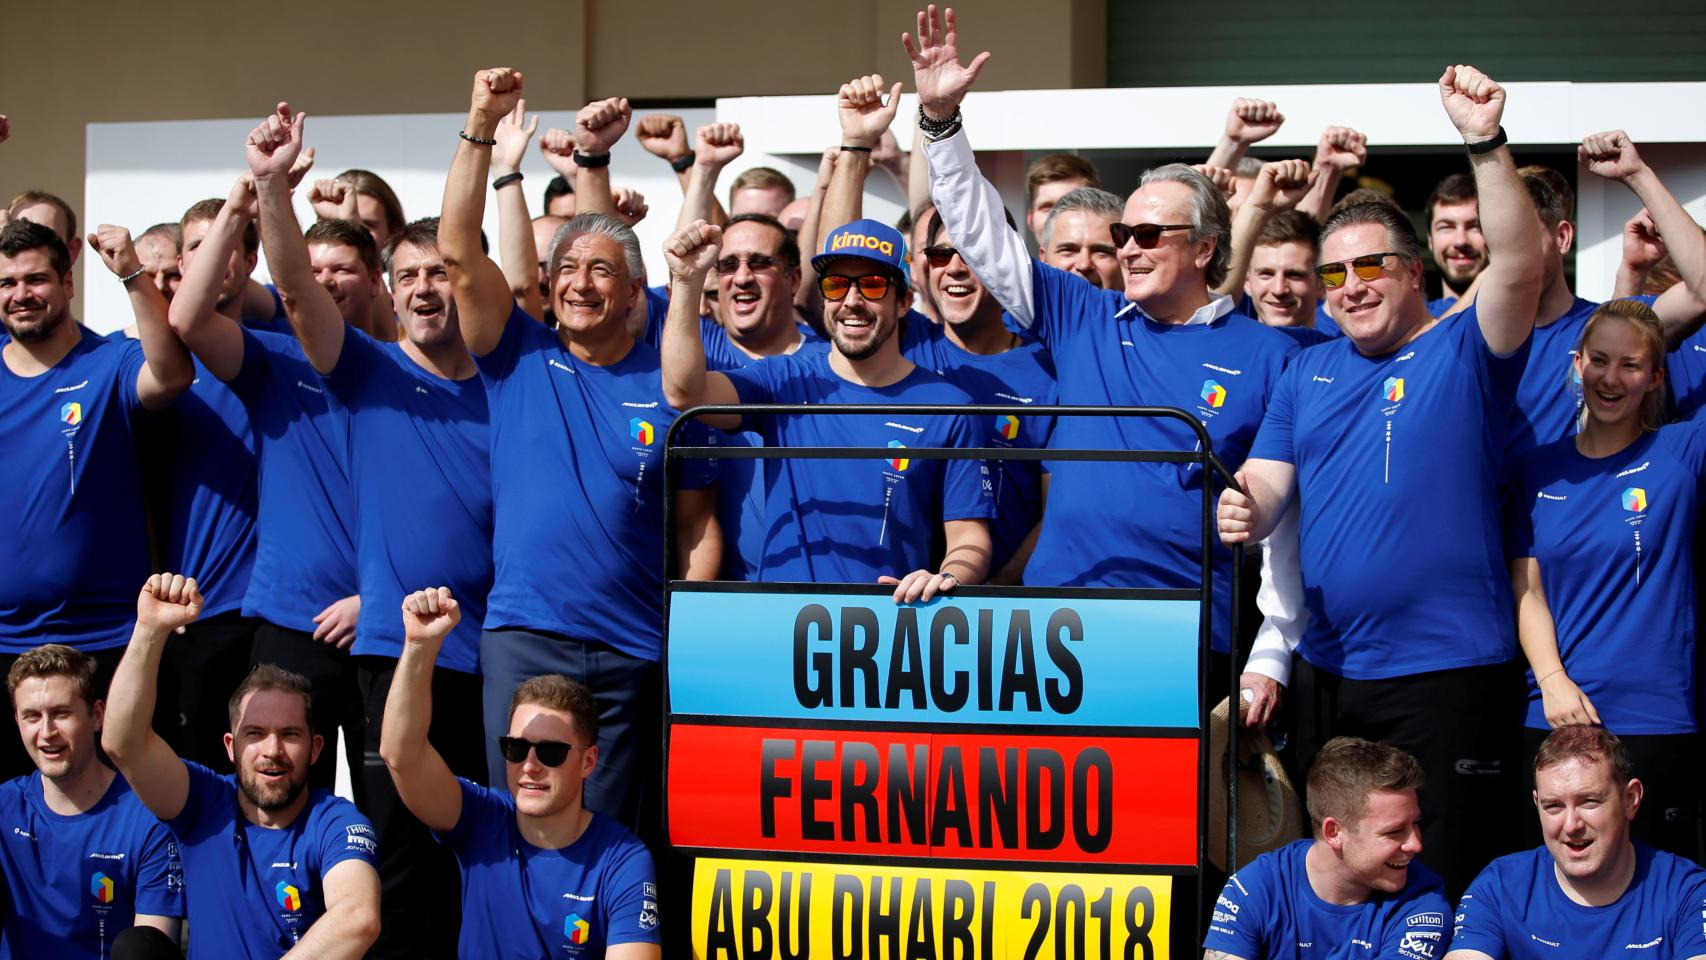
[102, 888]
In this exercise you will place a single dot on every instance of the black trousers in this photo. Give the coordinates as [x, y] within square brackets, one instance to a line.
[1462, 725]
[1668, 767]
[208, 660]
[144, 943]
[337, 703]
[420, 886]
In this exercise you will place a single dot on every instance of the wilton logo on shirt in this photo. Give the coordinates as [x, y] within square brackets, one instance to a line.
[1213, 393]
[289, 897]
[1635, 500]
[101, 887]
[71, 413]
[1007, 426]
[899, 463]
[1393, 389]
[576, 929]
[641, 431]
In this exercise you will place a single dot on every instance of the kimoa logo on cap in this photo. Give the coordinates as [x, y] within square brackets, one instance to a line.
[845, 240]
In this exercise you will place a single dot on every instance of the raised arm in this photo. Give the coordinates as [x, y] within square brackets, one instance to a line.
[423, 779]
[1279, 186]
[271, 149]
[812, 232]
[969, 205]
[1249, 121]
[483, 296]
[864, 116]
[1681, 308]
[1339, 151]
[168, 371]
[216, 339]
[1249, 512]
[1510, 286]
[598, 126]
[664, 135]
[1643, 249]
[516, 252]
[350, 925]
[719, 144]
[159, 779]
[690, 252]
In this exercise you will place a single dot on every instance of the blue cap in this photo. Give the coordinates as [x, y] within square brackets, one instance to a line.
[866, 240]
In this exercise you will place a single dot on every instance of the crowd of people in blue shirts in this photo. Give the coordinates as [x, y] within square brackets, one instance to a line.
[410, 484]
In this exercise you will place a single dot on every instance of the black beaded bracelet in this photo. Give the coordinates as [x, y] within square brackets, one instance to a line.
[482, 141]
[1480, 147]
[592, 161]
[506, 180]
[937, 129]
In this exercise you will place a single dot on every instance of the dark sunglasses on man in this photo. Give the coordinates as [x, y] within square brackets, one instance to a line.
[1367, 269]
[939, 256]
[551, 753]
[873, 286]
[757, 263]
[1147, 235]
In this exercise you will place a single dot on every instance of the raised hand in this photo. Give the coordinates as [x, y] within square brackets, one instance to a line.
[333, 200]
[863, 114]
[429, 615]
[718, 144]
[692, 250]
[1473, 102]
[600, 124]
[630, 205]
[663, 135]
[558, 146]
[1643, 248]
[496, 90]
[116, 249]
[168, 601]
[887, 154]
[274, 145]
[1252, 121]
[1341, 149]
[941, 80]
[512, 137]
[1611, 155]
[299, 169]
[1220, 176]
[1281, 184]
[243, 200]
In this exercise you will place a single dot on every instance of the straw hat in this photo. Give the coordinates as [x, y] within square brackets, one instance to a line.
[1269, 814]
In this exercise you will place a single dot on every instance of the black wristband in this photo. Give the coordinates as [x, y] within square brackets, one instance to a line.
[592, 161]
[681, 163]
[937, 129]
[849, 148]
[1480, 147]
[506, 180]
[482, 141]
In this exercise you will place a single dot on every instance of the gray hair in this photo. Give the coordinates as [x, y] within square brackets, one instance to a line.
[603, 225]
[1210, 217]
[1249, 168]
[1400, 232]
[1087, 199]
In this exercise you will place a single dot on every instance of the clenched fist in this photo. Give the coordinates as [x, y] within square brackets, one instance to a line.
[1252, 121]
[1341, 149]
[692, 250]
[167, 602]
[1610, 155]
[663, 135]
[1473, 102]
[496, 89]
[863, 112]
[718, 144]
[116, 250]
[274, 145]
[429, 615]
[1281, 184]
[600, 124]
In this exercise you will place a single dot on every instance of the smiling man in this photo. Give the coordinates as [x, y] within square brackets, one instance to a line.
[1590, 891]
[542, 875]
[1356, 889]
[1454, 238]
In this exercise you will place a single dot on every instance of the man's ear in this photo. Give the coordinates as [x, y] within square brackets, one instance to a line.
[1633, 794]
[1566, 234]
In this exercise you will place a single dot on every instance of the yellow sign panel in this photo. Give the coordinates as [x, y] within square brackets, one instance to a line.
[766, 910]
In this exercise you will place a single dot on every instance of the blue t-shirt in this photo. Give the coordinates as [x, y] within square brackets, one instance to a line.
[657, 311]
[577, 484]
[202, 451]
[1686, 369]
[1107, 352]
[1269, 911]
[1440, 305]
[72, 531]
[1021, 375]
[1549, 397]
[1615, 541]
[521, 901]
[305, 554]
[852, 521]
[422, 473]
[1398, 463]
[76, 882]
[1324, 321]
[1515, 910]
[254, 891]
[1323, 330]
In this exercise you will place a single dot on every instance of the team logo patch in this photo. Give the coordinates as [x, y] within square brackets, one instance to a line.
[101, 887]
[1393, 389]
[71, 413]
[1213, 393]
[1635, 500]
[289, 897]
[899, 463]
[641, 431]
[1007, 427]
[576, 929]
[1425, 920]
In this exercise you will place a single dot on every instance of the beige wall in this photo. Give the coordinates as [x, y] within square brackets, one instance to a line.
[70, 64]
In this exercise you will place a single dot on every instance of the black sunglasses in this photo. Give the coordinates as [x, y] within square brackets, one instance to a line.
[1147, 235]
[551, 753]
[757, 263]
[939, 256]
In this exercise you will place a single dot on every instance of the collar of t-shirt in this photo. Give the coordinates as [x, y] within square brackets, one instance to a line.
[1218, 305]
